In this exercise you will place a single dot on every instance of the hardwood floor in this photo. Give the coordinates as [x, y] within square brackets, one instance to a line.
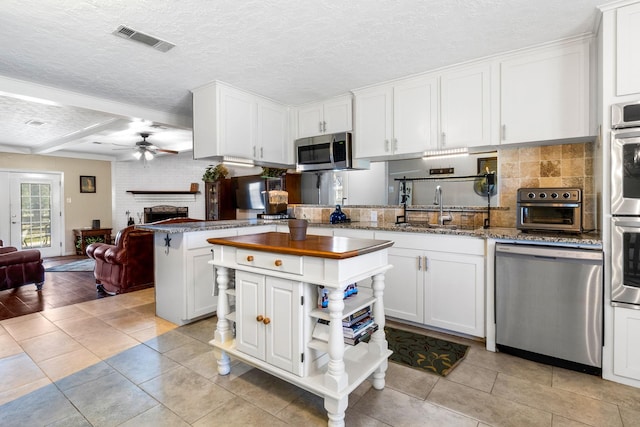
[60, 289]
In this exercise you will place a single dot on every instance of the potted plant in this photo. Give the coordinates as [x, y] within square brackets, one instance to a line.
[215, 173]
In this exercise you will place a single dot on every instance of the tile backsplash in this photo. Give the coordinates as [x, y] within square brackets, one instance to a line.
[567, 165]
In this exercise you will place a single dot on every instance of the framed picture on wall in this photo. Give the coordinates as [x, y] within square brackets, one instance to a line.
[87, 184]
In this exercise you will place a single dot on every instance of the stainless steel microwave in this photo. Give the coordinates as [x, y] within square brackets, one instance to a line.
[324, 152]
[625, 115]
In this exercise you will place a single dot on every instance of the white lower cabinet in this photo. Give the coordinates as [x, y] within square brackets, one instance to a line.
[201, 296]
[626, 345]
[443, 288]
[270, 326]
[454, 292]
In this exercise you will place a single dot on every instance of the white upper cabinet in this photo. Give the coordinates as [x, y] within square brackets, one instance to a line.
[627, 53]
[415, 112]
[237, 123]
[335, 115]
[396, 119]
[230, 122]
[273, 144]
[544, 93]
[374, 122]
[465, 107]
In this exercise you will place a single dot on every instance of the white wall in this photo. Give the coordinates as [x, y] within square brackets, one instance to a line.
[164, 173]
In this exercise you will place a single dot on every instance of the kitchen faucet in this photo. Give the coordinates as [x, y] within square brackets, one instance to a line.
[437, 200]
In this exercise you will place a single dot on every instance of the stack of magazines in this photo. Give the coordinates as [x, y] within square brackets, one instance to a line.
[355, 328]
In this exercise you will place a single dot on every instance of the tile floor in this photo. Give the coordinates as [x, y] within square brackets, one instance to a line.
[110, 362]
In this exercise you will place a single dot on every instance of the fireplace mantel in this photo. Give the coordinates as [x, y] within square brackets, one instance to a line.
[175, 196]
[161, 192]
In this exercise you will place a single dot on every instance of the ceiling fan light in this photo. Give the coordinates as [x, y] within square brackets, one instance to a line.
[148, 155]
[137, 155]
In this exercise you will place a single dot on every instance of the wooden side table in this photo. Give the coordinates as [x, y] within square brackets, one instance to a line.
[83, 237]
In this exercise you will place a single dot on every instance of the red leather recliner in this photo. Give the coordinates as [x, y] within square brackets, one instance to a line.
[127, 265]
[19, 268]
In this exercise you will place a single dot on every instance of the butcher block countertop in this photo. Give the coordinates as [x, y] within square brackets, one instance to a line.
[316, 246]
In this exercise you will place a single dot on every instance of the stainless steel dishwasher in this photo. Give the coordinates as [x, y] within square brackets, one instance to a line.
[549, 305]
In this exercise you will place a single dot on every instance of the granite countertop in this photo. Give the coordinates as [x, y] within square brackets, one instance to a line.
[593, 240]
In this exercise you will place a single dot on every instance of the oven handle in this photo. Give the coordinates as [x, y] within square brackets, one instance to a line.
[634, 223]
[550, 205]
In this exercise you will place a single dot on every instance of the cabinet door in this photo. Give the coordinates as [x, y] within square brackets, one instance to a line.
[404, 287]
[545, 94]
[272, 145]
[465, 108]
[338, 115]
[374, 122]
[284, 331]
[626, 345]
[415, 110]
[250, 333]
[201, 284]
[310, 119]
[237, 122]
[627, 55]
[205, 130]
[454, 295]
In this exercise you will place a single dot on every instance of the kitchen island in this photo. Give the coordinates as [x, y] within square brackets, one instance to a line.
[276, 314]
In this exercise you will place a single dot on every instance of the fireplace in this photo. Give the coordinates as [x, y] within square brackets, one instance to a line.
[158, 213]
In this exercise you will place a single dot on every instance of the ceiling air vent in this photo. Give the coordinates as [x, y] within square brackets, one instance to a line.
[130, 33]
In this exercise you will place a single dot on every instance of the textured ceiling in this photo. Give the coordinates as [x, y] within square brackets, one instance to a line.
[293, 51]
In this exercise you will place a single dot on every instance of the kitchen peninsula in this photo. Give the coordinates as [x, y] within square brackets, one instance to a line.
[277, 283]
[184, 279]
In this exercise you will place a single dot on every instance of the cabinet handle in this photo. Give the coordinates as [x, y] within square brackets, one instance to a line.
[504, 132]
[278, 262]
[395, 144]
[444, 139]
[419, 263]
[261, 152]
[250, 258]
[320, 127]
[386, 145]
[324, 126]
[259, 318]
[266, 321]
[426, 263]
[254, 151]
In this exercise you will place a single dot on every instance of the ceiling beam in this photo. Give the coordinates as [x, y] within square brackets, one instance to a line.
[38, 93]
[74, 138]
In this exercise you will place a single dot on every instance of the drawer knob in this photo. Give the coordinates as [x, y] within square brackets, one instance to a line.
[266, 321]
[259, 318]
[278, 262]
[250, 258]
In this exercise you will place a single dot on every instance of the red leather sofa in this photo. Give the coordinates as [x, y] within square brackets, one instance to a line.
[128, 264]
[19, 268]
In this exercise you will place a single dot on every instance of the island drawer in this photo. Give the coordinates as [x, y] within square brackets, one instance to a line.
[271, 261]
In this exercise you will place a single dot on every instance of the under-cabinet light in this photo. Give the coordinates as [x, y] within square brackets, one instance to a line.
[441, 154]
[249, 164]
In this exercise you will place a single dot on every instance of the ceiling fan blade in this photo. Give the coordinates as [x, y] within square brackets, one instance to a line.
[167, 151]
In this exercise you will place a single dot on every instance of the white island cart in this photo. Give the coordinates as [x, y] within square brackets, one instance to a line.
[274, 309]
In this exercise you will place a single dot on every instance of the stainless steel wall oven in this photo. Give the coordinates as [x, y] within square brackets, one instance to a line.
[625, 261]
[625, 172]
[625, 204]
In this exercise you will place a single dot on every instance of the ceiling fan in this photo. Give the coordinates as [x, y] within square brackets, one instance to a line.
[147, 150]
